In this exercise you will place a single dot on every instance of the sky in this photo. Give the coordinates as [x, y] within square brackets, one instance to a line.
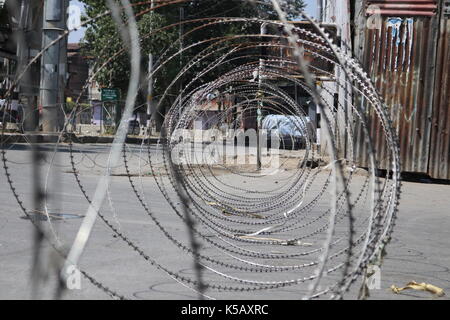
[311, 6]
[75, 36]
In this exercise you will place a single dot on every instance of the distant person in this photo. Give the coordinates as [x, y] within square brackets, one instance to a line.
[2, 101]
[14, 108]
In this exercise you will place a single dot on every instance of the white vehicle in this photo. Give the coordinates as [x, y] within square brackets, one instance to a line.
[292, 130]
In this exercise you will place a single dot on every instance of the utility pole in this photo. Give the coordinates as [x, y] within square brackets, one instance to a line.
[53, 63]
[30, 112]
[150, 111]
[319, 10]
[150, 106]
[181, 31]
[260, 103]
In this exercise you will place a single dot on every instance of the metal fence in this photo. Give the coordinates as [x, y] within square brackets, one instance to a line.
[406, 53]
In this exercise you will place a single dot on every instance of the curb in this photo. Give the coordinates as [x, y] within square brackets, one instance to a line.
[10, 138]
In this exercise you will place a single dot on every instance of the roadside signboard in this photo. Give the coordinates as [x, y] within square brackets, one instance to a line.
[110, 94]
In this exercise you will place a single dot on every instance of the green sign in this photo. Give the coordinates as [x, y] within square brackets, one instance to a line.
[109, 94]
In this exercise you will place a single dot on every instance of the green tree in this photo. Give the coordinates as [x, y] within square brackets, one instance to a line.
[102, 39]
[103, 44]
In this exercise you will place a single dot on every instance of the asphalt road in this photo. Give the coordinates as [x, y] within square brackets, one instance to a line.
[420, 248]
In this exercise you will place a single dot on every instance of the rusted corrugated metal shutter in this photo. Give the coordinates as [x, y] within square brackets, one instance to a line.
[408, 58]
[400, 57]
[415, 8]
[439, 166]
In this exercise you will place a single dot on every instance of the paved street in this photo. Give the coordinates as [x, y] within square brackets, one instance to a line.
[419, 249]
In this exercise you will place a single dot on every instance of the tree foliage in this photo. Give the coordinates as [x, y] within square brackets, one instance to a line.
[102, 40]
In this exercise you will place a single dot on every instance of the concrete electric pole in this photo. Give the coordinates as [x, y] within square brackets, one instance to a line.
[30, 116]
[319, 10]
[263, 31]
[53, 63]
[150, 106]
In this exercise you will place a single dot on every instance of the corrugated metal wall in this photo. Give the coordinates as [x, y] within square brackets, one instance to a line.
[416, 8]
[408, 59]
[439, 165]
